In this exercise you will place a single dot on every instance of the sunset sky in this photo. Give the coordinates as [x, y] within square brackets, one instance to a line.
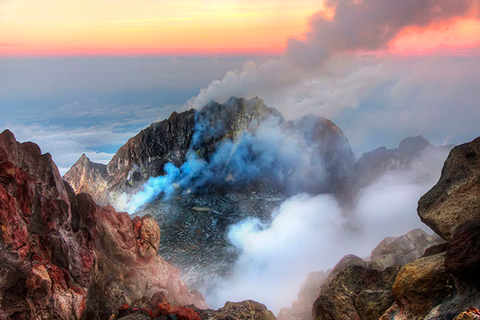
[77, 27]
[84, 76]
[126, 27]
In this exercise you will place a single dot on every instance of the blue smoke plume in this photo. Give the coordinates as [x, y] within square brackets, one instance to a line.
[265, 149]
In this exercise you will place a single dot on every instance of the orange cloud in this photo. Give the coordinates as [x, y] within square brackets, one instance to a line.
[460, 34]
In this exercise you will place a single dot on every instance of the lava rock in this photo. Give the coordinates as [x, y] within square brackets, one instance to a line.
[64, 257]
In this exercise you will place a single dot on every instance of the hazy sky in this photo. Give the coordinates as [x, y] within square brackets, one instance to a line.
[84, 76]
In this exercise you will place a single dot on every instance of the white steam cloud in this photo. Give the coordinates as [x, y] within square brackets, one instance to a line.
[312, 233]
[322, 73]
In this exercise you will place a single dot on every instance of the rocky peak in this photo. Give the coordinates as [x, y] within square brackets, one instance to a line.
[28, 157]
[87, 176]
[201, 132]
[412, 146]
[374, 164]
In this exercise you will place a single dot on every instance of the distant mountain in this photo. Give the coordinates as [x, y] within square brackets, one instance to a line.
[374, 164]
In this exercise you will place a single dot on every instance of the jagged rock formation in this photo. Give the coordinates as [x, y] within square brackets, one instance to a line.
[64, 257]
[202, 132]
[238, 311]
[141, 157]
[149, 309]
[90, 176]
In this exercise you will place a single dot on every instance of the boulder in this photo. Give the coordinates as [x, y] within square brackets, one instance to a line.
[454, 200]
[421, 285]
[356, 292]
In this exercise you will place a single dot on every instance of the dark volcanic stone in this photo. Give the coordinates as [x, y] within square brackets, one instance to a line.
[463, 254]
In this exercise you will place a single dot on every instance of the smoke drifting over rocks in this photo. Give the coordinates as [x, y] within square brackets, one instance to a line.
[312, 232]
[232, 148]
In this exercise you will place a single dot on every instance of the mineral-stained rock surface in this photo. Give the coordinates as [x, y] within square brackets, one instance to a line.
[356, 293]
[421, 285]
[152, 309]
[64, 257]
[454, 200]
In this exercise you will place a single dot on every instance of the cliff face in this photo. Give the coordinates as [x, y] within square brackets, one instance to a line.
[64, 257]
[202, 133]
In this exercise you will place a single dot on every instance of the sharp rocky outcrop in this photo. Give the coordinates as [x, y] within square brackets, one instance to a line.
[202, 132]
[64, 257]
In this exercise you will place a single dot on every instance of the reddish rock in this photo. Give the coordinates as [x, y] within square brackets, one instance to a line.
[64, 257]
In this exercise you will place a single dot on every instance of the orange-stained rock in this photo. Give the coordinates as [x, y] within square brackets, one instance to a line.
[64, 257]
